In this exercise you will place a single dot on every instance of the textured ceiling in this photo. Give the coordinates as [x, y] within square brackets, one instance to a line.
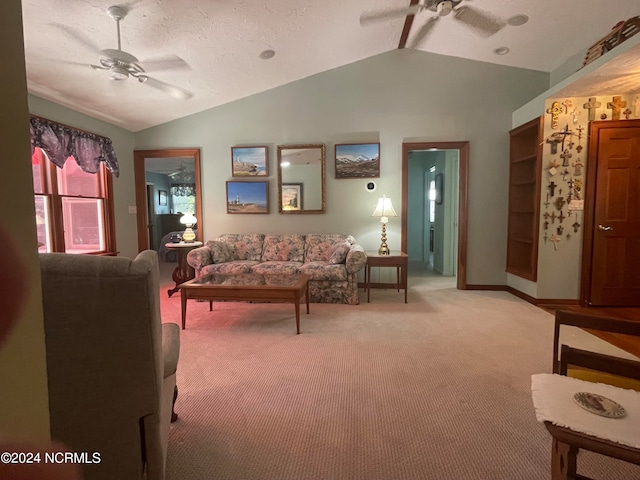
[220, 42]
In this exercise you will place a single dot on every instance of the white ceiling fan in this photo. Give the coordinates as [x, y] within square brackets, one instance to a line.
[121, 65]
[477, 20]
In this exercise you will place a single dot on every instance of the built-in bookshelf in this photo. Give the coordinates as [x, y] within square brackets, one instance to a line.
[525, 163]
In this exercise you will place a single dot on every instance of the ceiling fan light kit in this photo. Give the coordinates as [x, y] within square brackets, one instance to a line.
[121, 65]
[444, 8]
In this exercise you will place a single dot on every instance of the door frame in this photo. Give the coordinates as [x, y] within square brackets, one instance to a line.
[142, 219]
[591, 172]
[463, 195]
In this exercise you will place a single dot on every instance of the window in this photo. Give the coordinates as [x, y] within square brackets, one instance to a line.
[432, 196]
[74, 209]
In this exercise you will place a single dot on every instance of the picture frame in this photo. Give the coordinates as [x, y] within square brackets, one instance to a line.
[439, 184]
[247, 197]
[162, 198]
[357, 160]
[292, 196]
[250, 161]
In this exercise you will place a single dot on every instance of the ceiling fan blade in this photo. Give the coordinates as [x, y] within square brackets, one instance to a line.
[79, 37]
[367, 18]
[165, 62]
[171, 90]
[479, 21]
[424, 31]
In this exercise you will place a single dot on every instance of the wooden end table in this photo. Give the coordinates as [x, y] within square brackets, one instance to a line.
[183, 271]
[397, 259]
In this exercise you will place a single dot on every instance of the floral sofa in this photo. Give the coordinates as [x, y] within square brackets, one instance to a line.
[331, 260]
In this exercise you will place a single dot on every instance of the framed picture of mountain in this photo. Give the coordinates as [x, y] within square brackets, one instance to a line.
[358, 160]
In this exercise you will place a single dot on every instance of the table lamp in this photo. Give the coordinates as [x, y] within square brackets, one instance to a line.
[188, 220]
[384, 210]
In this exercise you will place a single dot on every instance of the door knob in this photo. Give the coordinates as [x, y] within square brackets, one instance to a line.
[604, 229]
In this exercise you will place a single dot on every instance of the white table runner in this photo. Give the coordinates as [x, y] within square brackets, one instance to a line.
[553, 401]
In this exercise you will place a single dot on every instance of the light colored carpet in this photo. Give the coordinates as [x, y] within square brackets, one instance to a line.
[435, 389]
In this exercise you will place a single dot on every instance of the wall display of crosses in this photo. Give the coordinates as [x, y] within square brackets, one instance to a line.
[565, 161]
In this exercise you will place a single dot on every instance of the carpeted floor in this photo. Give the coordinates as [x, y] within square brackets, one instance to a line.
[438, 388]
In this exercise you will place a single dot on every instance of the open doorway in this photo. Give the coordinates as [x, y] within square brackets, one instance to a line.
[167, 184]
[434, 212]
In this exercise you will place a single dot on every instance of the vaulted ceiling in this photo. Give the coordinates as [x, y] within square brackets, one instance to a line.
[200, 54]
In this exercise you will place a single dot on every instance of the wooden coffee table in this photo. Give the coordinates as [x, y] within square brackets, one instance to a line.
[249, 287]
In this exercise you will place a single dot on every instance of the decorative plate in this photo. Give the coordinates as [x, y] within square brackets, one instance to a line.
[594, 403]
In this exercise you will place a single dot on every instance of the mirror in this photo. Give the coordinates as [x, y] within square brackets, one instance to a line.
[167, 186]
[301, 178]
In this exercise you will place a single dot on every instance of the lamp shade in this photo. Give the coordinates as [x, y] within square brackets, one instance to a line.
[188, 219]
[384, 208]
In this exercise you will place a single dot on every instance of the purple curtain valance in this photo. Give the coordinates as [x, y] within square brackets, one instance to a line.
[60, 142]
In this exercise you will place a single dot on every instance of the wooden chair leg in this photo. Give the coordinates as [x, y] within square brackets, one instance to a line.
[563, 461]
[174, 415]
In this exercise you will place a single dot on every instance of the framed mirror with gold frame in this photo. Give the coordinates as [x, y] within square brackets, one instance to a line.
[301, 178]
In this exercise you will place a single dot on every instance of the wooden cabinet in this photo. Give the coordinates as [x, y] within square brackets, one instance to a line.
[525, 164]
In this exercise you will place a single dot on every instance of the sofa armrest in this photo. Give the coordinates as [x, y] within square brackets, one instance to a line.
[200, 257]
[170, 348]
[356, 258]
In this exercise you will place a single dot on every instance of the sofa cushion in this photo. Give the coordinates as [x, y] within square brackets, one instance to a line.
[324, 271]
[244, 246]
[340, 252]
[235, 266]
[283, 248]
[266, 268]
[319, 247]
[220, 250]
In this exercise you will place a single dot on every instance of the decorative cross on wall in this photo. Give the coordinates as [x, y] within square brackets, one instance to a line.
[616, 106]
[555, 240]
[554, 140]
[554, 110]
[565, 156]
[552, 188]
[592, 105]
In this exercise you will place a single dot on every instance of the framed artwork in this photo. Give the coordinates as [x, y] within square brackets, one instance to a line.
[439, 180]
[249, 162]
[162, 198]
[247, 197]
[292, 196]
[358, 160]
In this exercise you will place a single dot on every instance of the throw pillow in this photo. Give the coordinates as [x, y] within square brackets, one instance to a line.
[221, 251]
[339, 254]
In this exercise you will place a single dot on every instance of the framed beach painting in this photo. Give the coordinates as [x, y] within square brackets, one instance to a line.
[292, 196]
[358, 160]
[249, 161]
[247, 197]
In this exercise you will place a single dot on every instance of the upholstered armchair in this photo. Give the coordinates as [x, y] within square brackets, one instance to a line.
[111, 363]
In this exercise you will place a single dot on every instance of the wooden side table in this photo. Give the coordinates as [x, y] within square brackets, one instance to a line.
[397, 259]
[183, 272]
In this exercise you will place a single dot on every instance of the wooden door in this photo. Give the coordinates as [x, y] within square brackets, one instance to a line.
[613, 178]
